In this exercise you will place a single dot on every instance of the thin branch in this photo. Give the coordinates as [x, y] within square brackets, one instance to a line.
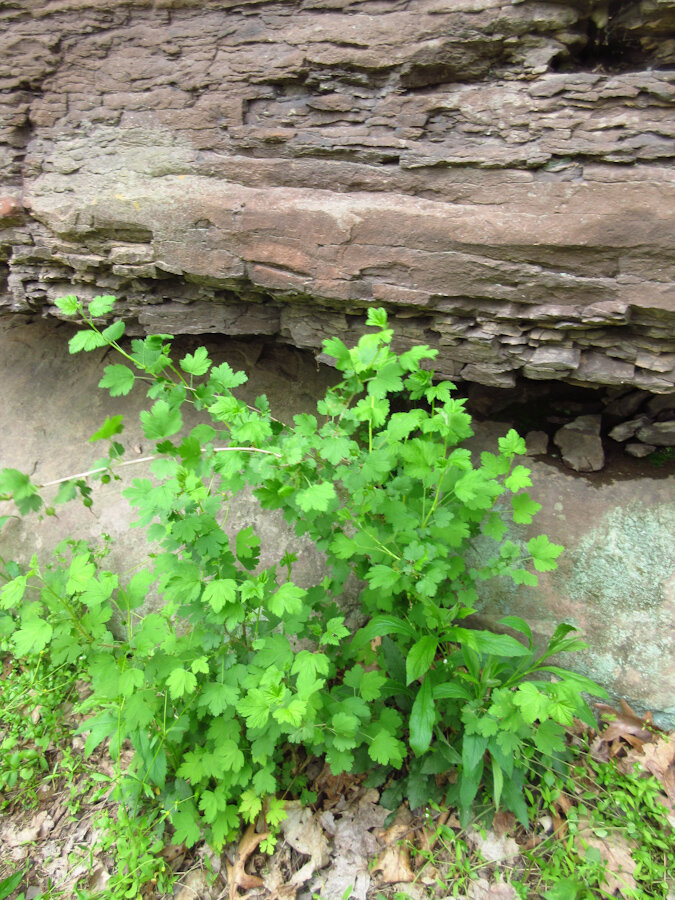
[134, 462]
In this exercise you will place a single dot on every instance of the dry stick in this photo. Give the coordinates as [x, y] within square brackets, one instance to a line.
[133, 462]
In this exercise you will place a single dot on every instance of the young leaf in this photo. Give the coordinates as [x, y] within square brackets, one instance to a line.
[69, 305]
[86, 340]
[288, 599]
[377, 317]
[113, 332]
[217, 697]
[518, 479]
[129, 681]
[383, 577]
[80, 573]
[371, 685]
[19, 486]
[544, 553]
[306, 666]
[112, 426]
[181, 682]
[386, 750]
[549, 738]
[33, 637]
[101, 306]
[316, 497]
[186, 825]
[225, 825]
[224, 378]
[250, 805]
[264, 781]
[255, 708]
[229, 756]
[512, 445]
[411, 359]
[219, 592]
[197, 363]
[532, 703]
[100, 727]
[12, 593]
[387, 381]
[335, 348]
[335, 631]
[276, 812]
[161, 421]
[420, 657]
[524, 508]
[118, 379]
[247, 547]
[200, 665]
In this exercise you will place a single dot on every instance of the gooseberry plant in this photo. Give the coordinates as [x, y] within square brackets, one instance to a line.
[234, 664]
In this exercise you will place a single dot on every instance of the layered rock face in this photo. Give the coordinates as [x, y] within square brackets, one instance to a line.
[497, 173]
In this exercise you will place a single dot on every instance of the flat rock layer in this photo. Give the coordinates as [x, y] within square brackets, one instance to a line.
[497, 173]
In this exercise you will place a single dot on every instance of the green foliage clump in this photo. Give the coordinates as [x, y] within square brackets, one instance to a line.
[239, 669]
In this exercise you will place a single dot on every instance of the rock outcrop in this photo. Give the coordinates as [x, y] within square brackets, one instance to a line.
[497, 173]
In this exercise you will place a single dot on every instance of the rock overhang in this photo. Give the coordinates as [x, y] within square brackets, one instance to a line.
[497, 174]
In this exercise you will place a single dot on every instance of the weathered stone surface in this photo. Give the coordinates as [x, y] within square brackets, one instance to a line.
[580, 444]
[536, 443]
[628, 429]
[663, 404]
[626, 404]
[660, 433]
[497, 174]
[639, 450]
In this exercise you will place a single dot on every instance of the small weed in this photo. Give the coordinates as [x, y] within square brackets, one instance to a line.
[660, 457]
[136, 841]
[34, 739]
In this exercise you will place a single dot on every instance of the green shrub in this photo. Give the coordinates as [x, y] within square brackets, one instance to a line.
[239, 663]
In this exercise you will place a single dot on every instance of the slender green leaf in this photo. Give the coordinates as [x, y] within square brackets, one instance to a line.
[422, 718]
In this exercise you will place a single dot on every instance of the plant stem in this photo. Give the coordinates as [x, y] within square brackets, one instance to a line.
[134, 462]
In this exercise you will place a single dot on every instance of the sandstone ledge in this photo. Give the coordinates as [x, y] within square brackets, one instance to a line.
[500, 179]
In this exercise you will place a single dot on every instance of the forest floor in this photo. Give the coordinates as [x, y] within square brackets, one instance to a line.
[606, 829]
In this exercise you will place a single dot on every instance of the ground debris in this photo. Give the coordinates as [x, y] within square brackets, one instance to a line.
[237, 876]
[616, 852]
[393, 862]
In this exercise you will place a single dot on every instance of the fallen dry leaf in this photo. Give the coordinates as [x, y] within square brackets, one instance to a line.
[349, 824]
[237, 876]
[336, 787]
[625, 725]
[503, 822]
[659, 759]
[394, 860]
[494, 848]
[481, 889]
[192, 886]
[15, 837]
[615, 850]
[303, 832]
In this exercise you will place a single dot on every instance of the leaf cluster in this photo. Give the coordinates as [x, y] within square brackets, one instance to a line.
[239, 667]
